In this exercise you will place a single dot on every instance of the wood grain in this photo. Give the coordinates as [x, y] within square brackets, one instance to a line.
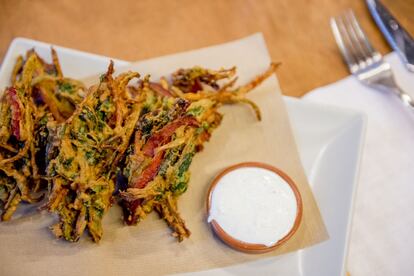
[297, 32]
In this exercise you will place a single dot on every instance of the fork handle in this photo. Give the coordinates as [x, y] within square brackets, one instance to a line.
[389, 84]
[407, 99]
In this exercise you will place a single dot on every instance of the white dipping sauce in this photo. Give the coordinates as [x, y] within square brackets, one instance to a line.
[254, 205]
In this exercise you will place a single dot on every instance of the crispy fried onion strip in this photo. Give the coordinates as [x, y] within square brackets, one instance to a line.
[225, 96]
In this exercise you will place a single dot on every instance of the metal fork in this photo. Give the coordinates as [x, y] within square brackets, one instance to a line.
[362, 59]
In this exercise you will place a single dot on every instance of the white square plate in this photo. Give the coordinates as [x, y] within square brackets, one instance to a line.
[330, 141]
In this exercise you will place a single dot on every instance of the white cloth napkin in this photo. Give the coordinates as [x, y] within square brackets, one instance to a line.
[382, 237]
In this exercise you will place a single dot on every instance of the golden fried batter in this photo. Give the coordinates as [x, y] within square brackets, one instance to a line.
[115, 140]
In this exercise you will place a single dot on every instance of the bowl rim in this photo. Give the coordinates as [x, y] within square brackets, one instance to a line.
[252, 247]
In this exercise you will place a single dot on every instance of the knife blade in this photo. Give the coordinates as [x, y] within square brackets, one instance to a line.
[398, 38]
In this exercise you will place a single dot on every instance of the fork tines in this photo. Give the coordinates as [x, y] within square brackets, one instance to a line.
[353, 43]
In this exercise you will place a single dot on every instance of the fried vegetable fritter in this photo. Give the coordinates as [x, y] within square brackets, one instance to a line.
[132, 142]
[169, 133]
[39, 95]
[87, 150]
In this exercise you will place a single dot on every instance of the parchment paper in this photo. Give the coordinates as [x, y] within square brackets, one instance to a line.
[28, 248]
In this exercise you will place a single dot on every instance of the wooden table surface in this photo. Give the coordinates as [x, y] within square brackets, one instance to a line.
[297, 32]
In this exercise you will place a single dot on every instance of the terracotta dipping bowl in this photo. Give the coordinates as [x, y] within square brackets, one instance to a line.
[250, 247]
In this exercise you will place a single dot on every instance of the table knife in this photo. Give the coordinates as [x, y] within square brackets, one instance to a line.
[398, 38]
